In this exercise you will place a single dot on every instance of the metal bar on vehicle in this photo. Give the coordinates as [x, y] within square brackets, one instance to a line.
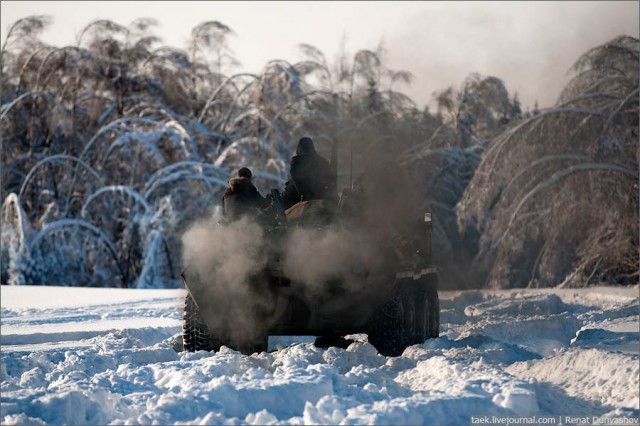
[417, 275]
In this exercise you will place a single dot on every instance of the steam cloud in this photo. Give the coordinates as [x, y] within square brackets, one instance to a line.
[225, 258]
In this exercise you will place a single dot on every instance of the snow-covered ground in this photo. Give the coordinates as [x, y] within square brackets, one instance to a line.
[99, 356]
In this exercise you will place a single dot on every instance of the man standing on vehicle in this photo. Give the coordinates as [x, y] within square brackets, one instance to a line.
[311, 177]
[242, 197]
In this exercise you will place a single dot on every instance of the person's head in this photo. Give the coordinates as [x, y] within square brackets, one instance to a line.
[305, 146]
[244, 173]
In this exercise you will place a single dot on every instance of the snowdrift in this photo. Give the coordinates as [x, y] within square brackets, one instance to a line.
[100, 356]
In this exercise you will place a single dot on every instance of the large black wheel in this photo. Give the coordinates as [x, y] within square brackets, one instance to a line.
[195, 333]
[409, 317]
[418, 328]
[432, 306]
[427, 308]
[388, 327]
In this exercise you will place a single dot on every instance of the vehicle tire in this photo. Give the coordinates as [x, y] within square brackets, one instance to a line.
[433, 307]
[421, 324]
[427, 309]
[195, 332]
[388, 327]
[415, 312]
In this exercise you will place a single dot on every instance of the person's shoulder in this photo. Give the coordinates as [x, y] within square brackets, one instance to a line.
[235, 185]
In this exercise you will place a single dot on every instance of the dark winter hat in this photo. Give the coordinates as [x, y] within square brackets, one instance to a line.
[305, 146]
[245, 173]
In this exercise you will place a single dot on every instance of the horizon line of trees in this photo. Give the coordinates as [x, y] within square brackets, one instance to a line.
[111, 147]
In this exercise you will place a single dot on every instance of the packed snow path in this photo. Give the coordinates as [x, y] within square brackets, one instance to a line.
[99, 356]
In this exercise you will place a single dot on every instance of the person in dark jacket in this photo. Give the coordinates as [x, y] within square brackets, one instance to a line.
[242, 197]
[310, 176]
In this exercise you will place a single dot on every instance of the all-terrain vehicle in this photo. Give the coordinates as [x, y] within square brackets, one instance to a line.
[392, 298]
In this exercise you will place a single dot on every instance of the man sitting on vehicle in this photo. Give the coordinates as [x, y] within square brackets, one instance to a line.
[242, 197]
[310, 176]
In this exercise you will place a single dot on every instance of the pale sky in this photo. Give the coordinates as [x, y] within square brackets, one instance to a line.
[529, 45]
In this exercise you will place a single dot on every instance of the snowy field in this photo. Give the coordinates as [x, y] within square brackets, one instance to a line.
[100, 356]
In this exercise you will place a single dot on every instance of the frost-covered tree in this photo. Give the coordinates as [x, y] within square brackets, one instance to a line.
[556, 197]
[116, 144]
[479, 110]
[112, 146]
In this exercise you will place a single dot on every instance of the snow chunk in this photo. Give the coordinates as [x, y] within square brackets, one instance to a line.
[519, 400]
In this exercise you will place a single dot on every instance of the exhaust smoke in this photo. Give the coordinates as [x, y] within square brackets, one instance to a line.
[348, 266]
